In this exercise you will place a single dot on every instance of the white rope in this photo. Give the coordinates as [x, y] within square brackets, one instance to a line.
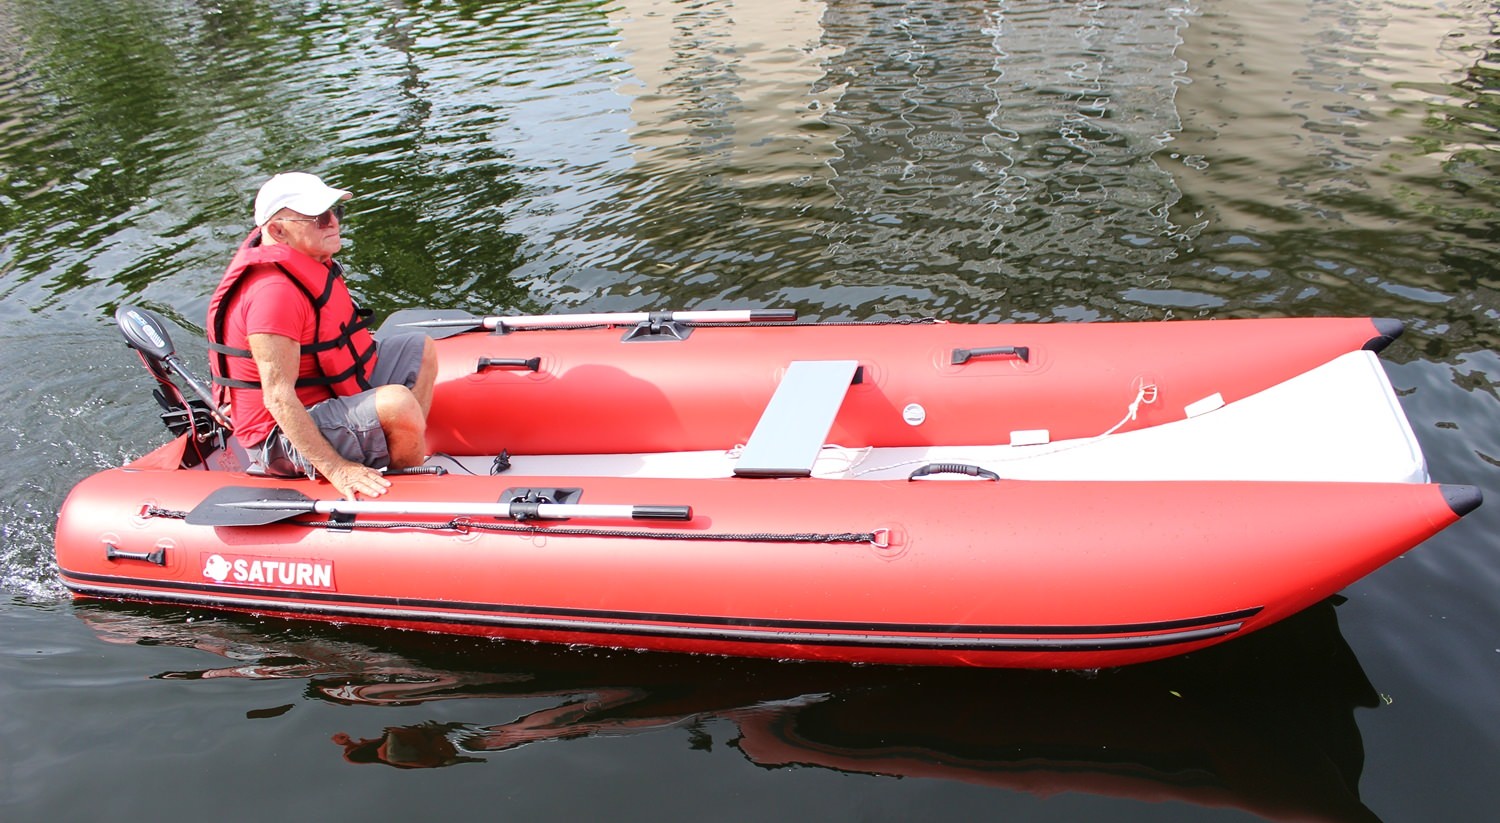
[851, 458]
[1145, 396]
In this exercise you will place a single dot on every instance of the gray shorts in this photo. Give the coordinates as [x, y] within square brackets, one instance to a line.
[349, 422]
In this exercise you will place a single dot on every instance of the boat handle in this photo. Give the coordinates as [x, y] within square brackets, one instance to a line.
[528, 363]
[1021, 353]
[410, 470]
[954, 468]
[113, 552]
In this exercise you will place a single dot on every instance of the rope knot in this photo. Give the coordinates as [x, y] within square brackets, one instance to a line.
[1146, 395]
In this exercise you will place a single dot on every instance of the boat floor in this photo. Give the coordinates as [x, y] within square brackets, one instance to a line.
[1340, 422]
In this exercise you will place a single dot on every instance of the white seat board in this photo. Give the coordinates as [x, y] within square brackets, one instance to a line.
[795, 424]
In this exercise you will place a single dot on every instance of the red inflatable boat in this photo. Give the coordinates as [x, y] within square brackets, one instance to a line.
[1055, 496]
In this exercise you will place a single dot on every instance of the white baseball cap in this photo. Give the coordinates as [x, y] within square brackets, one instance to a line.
[303, 193]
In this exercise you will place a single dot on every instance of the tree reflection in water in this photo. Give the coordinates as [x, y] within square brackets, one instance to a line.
[1265, 723]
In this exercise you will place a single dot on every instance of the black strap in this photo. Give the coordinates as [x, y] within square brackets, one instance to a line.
[363, 319]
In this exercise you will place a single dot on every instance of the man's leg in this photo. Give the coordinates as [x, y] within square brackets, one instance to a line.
[404, 421]
[405, 373]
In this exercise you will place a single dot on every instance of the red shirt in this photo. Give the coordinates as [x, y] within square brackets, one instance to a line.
[268, 303]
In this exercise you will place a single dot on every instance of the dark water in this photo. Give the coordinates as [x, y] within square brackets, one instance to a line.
[1048, 161]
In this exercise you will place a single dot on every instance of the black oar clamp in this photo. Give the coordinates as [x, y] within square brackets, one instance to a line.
[658, 328]
[525, 503]
[524, 510]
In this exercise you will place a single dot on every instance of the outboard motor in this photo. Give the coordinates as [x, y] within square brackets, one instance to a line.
[146, 332]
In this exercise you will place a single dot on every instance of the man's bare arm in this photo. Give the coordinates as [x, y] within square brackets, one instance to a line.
[277, 359]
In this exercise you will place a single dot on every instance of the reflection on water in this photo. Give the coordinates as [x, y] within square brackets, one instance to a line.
[1050, 159]
[1353, 166]
[1008, 151]
[1264, 724]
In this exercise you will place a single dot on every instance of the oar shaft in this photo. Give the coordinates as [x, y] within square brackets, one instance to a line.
[542, 321]
[442, 323]
[508, 510]
[249, 506]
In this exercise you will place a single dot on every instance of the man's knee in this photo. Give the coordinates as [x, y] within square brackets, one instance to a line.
[404, 424]
[398, 409]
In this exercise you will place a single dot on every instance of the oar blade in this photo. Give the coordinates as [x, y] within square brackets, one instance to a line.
[247, 506]
[435, 323]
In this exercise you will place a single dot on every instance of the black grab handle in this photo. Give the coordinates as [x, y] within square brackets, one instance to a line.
[1021, 353]
[158, 557]
[411, 470]
[528, 363]
[954, 468]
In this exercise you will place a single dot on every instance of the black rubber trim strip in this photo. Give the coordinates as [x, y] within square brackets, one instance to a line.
[1462, 499]
[1389, 329]
[740, 630]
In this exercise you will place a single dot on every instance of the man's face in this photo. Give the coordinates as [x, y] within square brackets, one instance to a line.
[317, 237]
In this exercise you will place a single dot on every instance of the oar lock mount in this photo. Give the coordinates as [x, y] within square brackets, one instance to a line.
[525, 500]
[658, 327]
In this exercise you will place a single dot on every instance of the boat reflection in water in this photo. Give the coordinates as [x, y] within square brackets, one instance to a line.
[1265, 723]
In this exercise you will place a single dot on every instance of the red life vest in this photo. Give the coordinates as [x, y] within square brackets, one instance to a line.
[341, 346]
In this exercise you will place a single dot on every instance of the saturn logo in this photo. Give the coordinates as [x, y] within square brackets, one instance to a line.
[217, 568]
[272, 572]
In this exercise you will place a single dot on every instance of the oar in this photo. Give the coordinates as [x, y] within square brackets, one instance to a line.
[440, 323]
[247, 506]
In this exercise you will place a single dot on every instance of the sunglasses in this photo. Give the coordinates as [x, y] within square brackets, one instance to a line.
[323, 220]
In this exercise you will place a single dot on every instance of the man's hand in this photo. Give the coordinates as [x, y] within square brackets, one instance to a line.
[353, 479]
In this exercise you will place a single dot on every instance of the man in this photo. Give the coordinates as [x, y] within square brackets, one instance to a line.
[310, 391]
